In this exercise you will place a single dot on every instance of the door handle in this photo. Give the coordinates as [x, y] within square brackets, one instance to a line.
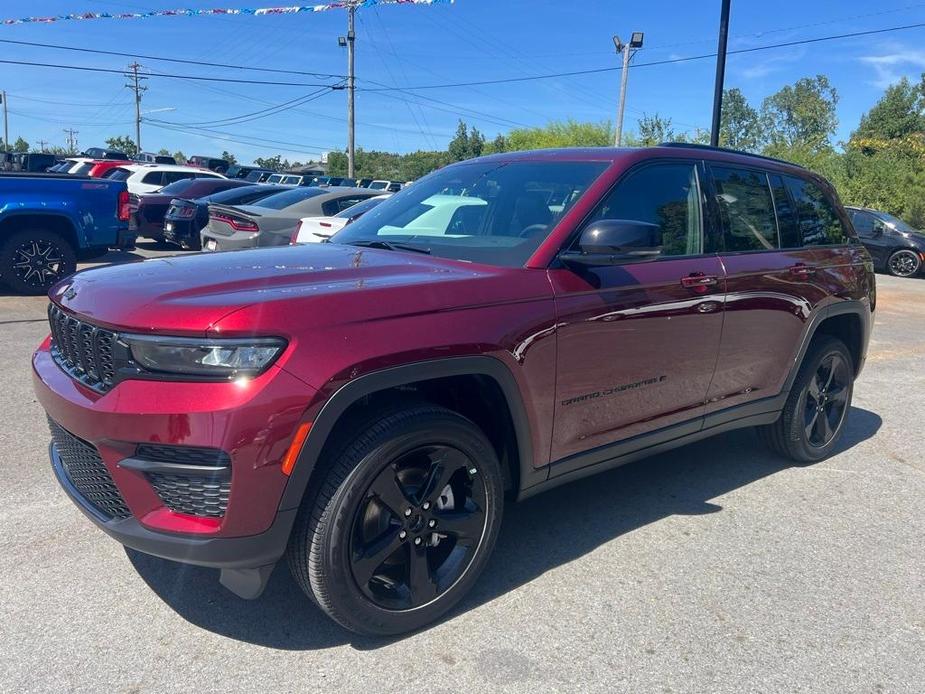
[802, 270]
[699, 282]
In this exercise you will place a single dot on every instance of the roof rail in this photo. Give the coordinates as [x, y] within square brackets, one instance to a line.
[729, 150]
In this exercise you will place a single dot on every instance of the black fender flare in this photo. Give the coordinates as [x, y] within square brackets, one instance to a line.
[392, 377]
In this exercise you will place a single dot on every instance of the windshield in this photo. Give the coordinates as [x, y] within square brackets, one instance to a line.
[282, 200]
[895, 222]
[178, 187]
[487, 212]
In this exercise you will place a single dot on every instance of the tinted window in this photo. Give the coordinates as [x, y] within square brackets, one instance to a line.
[894, 223]
[747, 210]
[178, 187]
[787, 224]
[359, 208]
[865, 223]
[118, 174]
[332, 207]
[282, 200]
[83, 169]
[818, 223]
[154, 178]
[667, 195]
[488, 212]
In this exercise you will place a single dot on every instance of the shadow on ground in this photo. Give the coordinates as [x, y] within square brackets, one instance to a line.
[538, 535]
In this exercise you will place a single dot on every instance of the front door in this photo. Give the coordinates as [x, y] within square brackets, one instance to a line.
[637, 341]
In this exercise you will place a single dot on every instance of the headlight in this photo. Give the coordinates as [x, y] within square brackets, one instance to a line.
[216, 358]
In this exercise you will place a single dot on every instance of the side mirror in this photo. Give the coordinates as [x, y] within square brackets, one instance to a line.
[615, 241]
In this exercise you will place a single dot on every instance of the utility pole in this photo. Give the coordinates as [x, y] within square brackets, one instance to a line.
[71, 140]
[135, 85]
[6, 125]
[628, 50]
[720, 73]
[348, 41]
[42, 144]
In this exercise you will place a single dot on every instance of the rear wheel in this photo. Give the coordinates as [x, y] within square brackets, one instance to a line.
[814, 415]
[904, 263]
[402, 524]
[31, 261]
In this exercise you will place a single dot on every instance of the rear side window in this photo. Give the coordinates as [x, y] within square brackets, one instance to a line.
[155, 178]
[819, 225]
[787, 222]
[118, 174]
[747, 209]
[667, 195]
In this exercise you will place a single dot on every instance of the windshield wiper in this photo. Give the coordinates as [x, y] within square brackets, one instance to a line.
[390, 246]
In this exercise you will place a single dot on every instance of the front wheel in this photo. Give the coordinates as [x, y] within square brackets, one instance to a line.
[402, 523]
[904, 263]
[814, 415]
[32, 261]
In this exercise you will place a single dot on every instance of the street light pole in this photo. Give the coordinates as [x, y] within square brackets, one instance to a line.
[351, 86]
[627, 49]
[720, 73]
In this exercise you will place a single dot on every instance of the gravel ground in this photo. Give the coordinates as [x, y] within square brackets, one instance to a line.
[716, 568]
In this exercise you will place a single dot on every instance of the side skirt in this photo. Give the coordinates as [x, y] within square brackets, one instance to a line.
[576, 467]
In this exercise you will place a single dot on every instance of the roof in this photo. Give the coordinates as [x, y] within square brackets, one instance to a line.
[141, 166]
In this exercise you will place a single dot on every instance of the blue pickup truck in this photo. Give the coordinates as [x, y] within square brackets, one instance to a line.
[48, 222]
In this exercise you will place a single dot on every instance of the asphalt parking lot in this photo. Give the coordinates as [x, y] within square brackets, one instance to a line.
[714, 568]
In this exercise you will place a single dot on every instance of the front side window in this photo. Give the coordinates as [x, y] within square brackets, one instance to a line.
[866, 224]
[818, 223]
[667, 195]
[487, 212]
[747, 209]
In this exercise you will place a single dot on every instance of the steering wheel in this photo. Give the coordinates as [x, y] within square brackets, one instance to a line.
[533, 230]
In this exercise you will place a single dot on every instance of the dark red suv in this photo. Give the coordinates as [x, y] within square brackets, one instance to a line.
[502, 326]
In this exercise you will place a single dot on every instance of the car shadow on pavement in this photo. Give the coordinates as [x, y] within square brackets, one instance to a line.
[537, 535]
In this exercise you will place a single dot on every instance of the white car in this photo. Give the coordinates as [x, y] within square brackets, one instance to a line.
[150, 178]
[317, 229]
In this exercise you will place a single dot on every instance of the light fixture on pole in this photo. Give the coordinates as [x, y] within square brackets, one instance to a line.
[627, 49]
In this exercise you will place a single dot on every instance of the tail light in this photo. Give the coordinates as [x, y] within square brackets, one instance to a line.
[123, 208]
[294, 237]
[237, 223]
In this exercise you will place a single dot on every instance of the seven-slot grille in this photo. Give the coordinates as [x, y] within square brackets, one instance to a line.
[82, 350]
[82, 465]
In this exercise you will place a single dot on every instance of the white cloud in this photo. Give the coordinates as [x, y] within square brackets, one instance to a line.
[771, 64]
[892, 67]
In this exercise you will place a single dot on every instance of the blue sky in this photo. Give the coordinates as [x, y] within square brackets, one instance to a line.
[471, 40]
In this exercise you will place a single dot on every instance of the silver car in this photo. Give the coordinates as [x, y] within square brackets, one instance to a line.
[275, 219]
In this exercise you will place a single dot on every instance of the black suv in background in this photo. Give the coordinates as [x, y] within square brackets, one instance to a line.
[894, 246]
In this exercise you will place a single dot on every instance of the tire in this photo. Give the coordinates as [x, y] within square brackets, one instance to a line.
[31, 261]
[804, 432]
[904, 263]
[354, 549]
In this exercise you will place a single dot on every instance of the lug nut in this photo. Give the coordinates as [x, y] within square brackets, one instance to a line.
[402, 535]
[432, 523]
[426, 505]
[407, 512]
[417, 540]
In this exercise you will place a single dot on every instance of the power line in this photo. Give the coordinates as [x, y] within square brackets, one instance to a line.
[242, 139]
[170, 75]
[263, 113]
[667, 61]
[183, 61]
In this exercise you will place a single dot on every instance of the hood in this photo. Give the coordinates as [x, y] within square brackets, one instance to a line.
[190, 294]
[917, 238]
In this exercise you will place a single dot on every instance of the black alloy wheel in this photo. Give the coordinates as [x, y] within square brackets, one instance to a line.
[904, 263]
[418, 527]
[32, 261]
[399, 519]
[814, 415]
[826, 400]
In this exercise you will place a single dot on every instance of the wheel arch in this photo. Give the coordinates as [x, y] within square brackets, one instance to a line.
[517, 464]
[52, 221]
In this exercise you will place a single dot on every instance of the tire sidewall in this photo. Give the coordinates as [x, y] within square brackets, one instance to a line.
[354, 609]
[8, 275]
[796, 428]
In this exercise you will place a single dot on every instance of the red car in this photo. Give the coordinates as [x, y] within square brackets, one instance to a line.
[505, 325]
[99, 167]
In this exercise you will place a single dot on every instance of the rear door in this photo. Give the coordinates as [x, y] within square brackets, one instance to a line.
[784, 249]
[637, 341]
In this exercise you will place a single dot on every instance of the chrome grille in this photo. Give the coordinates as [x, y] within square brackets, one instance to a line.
[82, 350]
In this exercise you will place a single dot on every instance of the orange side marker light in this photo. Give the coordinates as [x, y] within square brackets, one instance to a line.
[295, 447]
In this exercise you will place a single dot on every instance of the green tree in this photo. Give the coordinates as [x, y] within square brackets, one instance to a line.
[476, 143]
[740, 126]
[800, 118]
[164, 152]
[229, 157]
[567, 133]
[178, 156]
[898, 113]
[499, 144]
[459, 147]
[20, 145]
[654, 130]
[274, 163]
[123, 143]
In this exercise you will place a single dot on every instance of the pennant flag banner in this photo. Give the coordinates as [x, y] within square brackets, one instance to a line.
[261, 11]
